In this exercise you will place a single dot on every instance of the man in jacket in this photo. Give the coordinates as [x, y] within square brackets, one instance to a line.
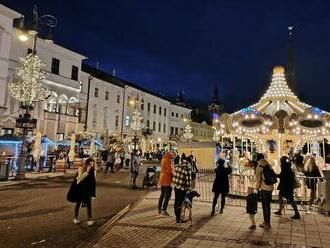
[265, 190]
[182, 185]
[165, 181]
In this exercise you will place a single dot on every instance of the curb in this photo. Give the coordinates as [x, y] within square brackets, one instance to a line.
[110, 224]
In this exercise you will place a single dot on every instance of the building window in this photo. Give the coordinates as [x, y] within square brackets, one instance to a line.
[160, 110]
[74, 73]
[159, 127]
[155, 108]
[176, 131]
[148, 106]
[94, 116]
[177, 115]
[164, 111]
[142, 104]
[181, 116]
[107, 95]
[172, 114]
[5, 131]
[154, 126]
[118, 98]
[164, 128]
[55, 69]
[148, 124]
[127, 120]
[181, 131]
[128, 100]
[96, 92]
[117, 121]
[172, 130]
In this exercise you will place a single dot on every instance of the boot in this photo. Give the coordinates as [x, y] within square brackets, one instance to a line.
[296, 216]
[279, 212]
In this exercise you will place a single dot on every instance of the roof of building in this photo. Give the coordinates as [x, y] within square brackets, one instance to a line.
[105, 76]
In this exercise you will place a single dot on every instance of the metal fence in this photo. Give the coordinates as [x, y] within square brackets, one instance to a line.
[311, 190]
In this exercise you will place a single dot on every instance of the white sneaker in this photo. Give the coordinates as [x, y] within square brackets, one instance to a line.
[76, 220]
[90, 223]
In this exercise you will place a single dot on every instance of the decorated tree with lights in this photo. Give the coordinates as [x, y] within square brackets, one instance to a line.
[187, 132]
[136, 124]
[27, 85]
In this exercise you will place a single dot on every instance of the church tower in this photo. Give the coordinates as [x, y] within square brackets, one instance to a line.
[214, 106]
[290, 65]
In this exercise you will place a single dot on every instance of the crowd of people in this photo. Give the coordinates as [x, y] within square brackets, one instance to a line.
[178, 174]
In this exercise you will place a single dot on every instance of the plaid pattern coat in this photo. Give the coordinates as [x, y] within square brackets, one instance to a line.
[182, 176]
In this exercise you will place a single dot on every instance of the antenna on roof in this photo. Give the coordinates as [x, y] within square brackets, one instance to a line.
[113, 72]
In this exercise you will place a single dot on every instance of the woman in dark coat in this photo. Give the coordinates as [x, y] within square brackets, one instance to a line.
[83, 189]
[312, 172]
[220, 184]
[286, 187]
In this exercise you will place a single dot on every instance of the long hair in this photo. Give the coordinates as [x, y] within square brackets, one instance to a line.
[310, 165]
[87, 163]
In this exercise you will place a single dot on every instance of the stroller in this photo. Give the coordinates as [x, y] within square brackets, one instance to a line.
[150, 178]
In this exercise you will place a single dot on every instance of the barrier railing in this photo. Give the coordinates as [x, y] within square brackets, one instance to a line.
[311, 190]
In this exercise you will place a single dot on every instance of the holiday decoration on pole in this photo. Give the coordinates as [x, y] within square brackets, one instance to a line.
[27, 85]
[136, 124]
[187, 132]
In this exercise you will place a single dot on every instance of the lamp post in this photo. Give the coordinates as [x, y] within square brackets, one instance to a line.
[29, 89]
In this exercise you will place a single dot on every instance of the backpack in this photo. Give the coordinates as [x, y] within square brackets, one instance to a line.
[269, 175]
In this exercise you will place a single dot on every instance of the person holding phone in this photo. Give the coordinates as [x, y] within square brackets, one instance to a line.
[85, 190]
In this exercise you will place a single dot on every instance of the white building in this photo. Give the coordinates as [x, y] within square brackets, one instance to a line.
[58, 115]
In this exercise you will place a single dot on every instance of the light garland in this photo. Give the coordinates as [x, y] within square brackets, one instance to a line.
[27, 85]
[187, 132]
[136, 124]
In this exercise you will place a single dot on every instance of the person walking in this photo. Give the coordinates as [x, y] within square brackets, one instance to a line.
[286, 187]
[181, 183]
[220, 184]
[110, 162]
[265, 189]
[312, 173]
[135, 167]
[83, 189]
[165, 181]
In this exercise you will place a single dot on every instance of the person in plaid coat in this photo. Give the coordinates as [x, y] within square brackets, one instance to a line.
[181, 183]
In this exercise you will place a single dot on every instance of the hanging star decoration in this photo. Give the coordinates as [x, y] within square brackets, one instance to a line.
[187, 132]
[27, 85]
[136, 121]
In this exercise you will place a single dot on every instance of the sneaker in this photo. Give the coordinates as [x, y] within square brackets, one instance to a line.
[76, 221]
[165, 213]
[296, 217]
[90, 223]
[278, 212]
[252, 227]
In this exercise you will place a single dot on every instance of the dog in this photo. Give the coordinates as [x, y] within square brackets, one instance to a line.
[187, 205]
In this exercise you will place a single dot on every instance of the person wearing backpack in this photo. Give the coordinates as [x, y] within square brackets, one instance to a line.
[266, 178]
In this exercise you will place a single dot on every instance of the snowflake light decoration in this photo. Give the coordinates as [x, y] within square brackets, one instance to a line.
[187, 132]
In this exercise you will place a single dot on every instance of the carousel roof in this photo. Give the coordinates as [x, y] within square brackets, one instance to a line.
[279, 97]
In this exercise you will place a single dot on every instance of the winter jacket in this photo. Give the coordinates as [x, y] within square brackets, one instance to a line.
[221, 181]
[182, 176]
[86, 185]
[287, 181]
[260, 184]
[166, 171]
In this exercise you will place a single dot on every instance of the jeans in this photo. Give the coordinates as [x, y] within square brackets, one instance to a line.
[164, 198]
[179, 198]
[291, 200]
[89, 208]
[266, 198]
[215, 200]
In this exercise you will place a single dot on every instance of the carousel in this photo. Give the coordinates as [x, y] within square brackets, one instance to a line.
[277, 125]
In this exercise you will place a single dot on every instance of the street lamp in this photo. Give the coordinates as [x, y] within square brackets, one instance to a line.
[27, 86]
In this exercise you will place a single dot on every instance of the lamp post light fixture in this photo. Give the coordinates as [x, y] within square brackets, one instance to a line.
[30, 73]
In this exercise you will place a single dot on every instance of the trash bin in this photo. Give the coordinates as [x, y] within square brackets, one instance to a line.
[4, 169]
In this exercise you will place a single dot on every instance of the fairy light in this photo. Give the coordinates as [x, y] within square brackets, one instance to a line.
[27, 85]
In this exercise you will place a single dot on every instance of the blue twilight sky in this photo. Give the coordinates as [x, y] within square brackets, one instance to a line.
[164, 45]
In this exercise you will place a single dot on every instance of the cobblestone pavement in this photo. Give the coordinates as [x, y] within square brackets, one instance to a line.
[143, 227]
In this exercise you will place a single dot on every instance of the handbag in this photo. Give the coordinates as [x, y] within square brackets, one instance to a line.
[72, 195]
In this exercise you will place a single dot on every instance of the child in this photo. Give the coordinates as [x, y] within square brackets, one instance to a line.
[252, 206]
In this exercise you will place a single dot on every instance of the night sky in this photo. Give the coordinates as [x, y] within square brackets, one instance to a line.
[167, 45]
